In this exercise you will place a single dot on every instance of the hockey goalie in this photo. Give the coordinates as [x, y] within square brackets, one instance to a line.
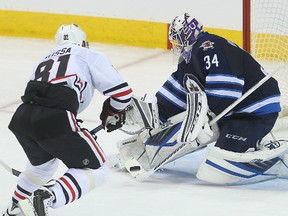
[150, 148]
[249, 144]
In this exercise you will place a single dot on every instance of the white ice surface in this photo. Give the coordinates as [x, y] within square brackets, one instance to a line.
[174, 191]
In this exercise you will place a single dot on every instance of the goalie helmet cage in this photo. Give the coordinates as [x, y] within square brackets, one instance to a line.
[265, 36]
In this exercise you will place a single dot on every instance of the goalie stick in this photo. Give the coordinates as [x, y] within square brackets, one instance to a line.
[17, 172]
[140, 174]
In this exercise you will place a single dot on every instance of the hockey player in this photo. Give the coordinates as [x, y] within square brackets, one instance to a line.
[218, 72]
[224, 72]
[61, 86]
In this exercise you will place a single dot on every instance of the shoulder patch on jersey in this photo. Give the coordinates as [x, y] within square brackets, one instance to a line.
[207, 45]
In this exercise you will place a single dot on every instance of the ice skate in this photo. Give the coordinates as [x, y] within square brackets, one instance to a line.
[38, 203]
[12, 210]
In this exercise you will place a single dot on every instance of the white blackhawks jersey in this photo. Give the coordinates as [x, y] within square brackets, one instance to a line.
[83, 70]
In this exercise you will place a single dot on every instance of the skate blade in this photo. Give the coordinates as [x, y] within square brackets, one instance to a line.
[27, 208]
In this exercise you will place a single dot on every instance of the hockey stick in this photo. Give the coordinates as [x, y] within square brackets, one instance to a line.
[141, 174]
[17, 172]
[97, 129]
[10, 169]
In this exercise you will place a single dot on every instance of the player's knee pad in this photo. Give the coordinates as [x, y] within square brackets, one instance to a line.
[100, 175]
[89, 179]
[39, 175]
[226, 167]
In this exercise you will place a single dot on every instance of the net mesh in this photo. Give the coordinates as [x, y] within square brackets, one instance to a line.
[269, 41]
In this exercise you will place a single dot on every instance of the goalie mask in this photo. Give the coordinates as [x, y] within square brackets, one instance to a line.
[71, 34]
[183, 33]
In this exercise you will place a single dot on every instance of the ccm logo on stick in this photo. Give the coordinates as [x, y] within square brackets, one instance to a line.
[235, 137]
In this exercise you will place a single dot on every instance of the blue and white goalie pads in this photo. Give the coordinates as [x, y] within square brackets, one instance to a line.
[268, 162]
[197, 109]
[151, 148]
[182, 134]
[226, 167]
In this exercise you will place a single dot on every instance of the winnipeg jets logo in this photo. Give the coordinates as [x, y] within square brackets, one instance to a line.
[207, 45]
[192, 86]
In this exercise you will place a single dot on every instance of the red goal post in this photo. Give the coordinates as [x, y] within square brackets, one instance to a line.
[246, 24]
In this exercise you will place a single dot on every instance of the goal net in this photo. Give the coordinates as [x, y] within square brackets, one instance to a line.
[265, 36]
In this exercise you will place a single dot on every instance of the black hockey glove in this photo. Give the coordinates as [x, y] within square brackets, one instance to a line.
[111, 118]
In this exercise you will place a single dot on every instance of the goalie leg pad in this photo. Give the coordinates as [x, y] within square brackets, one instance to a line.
[144, 154]
[197, 108]
[39, 175]
[226, 167]
[131, 150]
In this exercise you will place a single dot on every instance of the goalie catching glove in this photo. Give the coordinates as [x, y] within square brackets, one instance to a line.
[111, 118]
